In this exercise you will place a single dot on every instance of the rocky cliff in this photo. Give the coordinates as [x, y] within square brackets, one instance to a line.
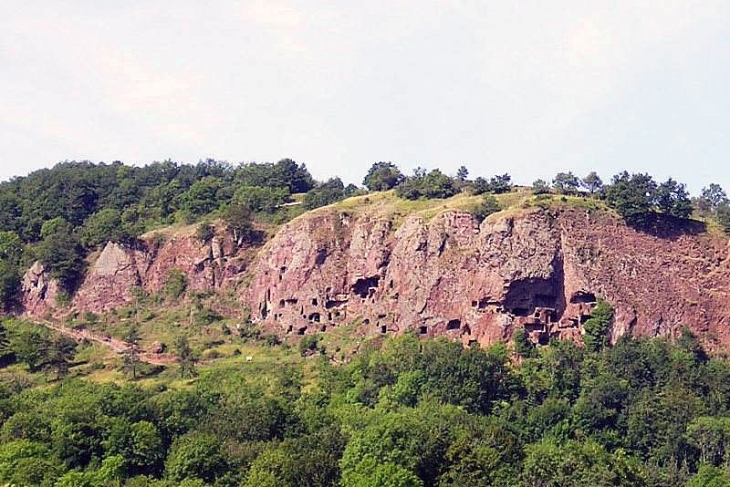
[447, 275]
[111, 280]
[476, 282]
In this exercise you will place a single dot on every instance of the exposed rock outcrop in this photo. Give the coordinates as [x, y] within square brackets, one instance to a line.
[453, 276]
[39, 290]
[111, 280]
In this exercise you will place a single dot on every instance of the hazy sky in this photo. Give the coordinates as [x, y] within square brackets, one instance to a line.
[525, 87]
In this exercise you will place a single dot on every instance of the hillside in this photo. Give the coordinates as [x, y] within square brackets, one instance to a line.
[389, 266]
[448, 332]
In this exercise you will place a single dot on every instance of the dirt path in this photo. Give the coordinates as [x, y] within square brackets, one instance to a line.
[118, 346]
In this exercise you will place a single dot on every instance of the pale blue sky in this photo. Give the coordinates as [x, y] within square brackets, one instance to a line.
[525, 87]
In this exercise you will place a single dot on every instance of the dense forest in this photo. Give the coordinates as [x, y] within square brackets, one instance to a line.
[403, 412]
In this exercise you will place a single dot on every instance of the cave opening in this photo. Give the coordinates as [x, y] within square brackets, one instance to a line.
[454, 324]
[365, 286]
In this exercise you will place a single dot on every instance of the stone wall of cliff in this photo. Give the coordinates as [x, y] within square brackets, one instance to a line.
[476, 282]
[112, 278]
[450, 275]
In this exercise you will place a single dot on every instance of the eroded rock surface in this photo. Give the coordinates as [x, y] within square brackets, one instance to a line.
[452, 276]
[110, 282]
[538, 269]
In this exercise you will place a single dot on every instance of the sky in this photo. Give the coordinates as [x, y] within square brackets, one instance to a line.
[525, 87]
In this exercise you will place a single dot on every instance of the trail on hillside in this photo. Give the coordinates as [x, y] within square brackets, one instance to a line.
[117, 345]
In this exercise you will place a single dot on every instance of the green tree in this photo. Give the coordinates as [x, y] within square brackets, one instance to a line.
[138, 444]
[672, 198]
[104, 226]
[488, 205]
[61, 253]
[462, 174]
[592, 182]
[324, 194]
[261, 199]
[523, 346]
[176, 284]
[723, 216]
[540, 186]
[500, 184]
[61, 353]
[31, 346]
[195, 456]
[710, 476]
[130, 356]
[434, 184]
[566, 183]
[185, 357]
[712, 197]
[11, 247]
[202, 197]
[597, 327]
[632, 196]
[383, 176]
[239, 222]
[9, 284]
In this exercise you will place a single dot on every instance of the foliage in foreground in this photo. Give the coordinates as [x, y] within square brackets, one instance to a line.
[409, 413]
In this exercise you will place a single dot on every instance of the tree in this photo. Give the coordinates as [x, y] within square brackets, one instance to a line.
[632, 196]
[712, 198]
[462, 174]
[592, 182]
[138, 444]
[61, 253]
[185, 357]
[11, 247]
[723, 216]
[202, 197]
[383, 176]
[6, 350]
[104, 226]
[434, 184]
[61, 353]
[500, 184]
[239, 222]
[522, 343]
[195, 456]
[130, 356]
[31, 346]
[488, 205]
[672, 198]
[329, 192]
[597, 326]
[176, 284]
[540, 186]
[9, 284]
[566, 183]
[262, 199]
[480, 186]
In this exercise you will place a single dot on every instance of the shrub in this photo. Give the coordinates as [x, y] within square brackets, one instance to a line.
[488, 206]
[176, 284]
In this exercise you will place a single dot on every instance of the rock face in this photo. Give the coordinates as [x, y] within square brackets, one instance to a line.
[476, 283]
[39, 291]
[538, 269]
[111, 280]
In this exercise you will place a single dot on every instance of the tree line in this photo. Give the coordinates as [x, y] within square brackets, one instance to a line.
[58, 215]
